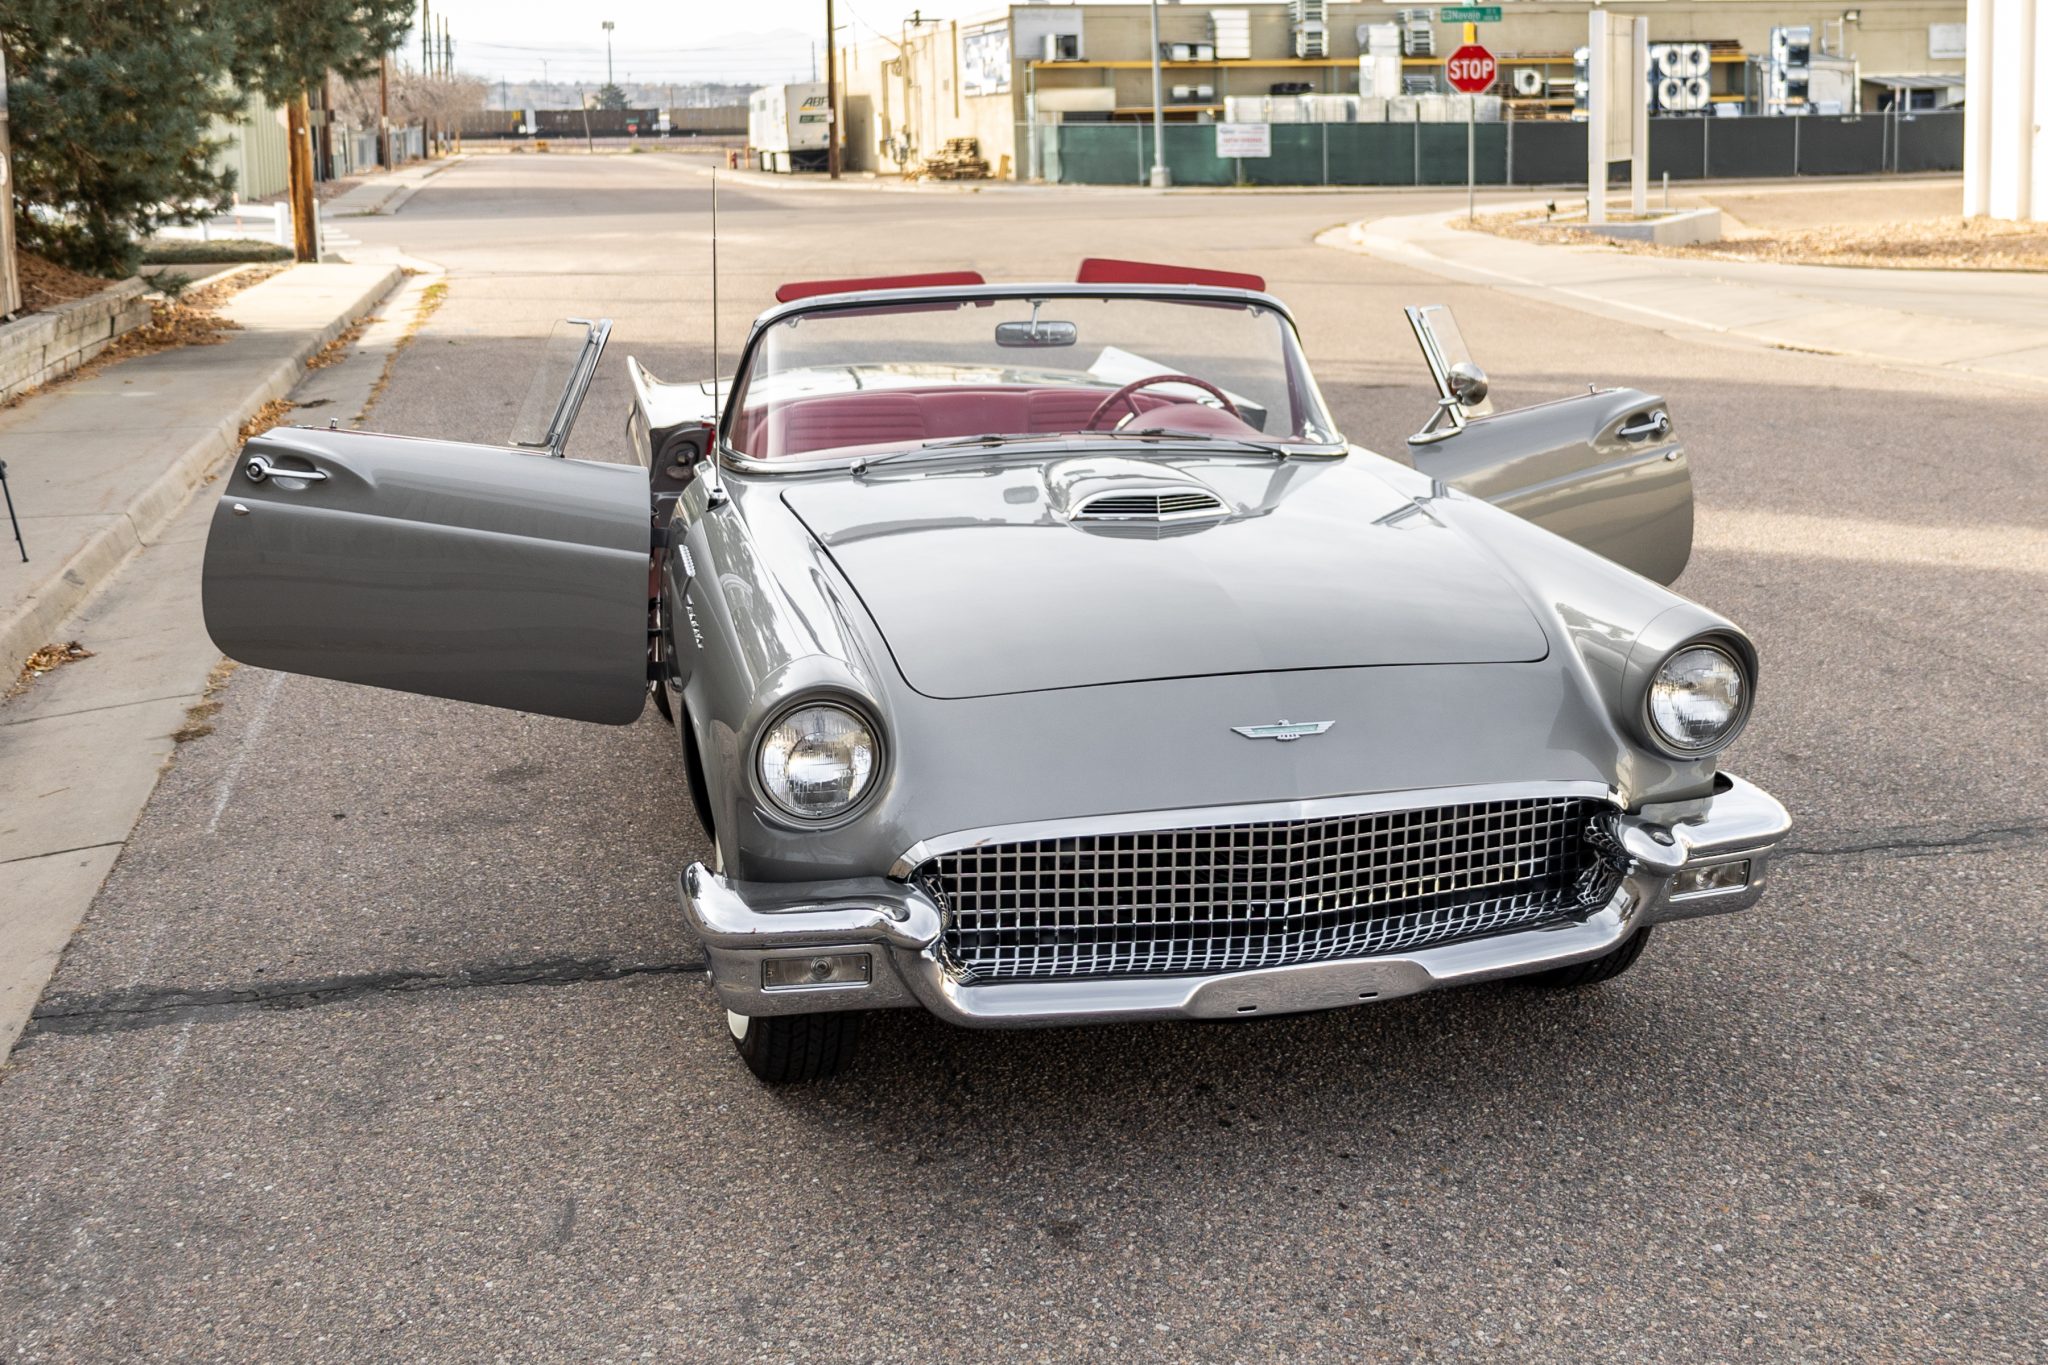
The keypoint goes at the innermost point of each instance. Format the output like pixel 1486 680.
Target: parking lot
pixel 385 1039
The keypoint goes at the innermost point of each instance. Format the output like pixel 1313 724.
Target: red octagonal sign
pixel 1471 69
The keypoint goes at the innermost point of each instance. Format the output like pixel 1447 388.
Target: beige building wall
pixel 905 96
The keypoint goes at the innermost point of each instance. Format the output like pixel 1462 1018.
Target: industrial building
pixel 1015 77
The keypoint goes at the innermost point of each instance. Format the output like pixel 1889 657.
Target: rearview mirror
pixel 1036 333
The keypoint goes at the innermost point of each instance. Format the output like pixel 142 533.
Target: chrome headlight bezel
pixel 773 805
pixel 1647 717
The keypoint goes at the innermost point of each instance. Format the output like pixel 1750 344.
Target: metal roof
pixel 1939 80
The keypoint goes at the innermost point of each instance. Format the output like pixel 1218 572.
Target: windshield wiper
pixel 952 443
pixel 1234 442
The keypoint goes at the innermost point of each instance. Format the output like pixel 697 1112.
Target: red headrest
pixel 1098 270
pixel 804 289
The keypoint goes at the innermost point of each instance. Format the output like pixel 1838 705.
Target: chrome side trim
pixel 1137 822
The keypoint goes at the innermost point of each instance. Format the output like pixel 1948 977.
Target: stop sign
pixel 1471 69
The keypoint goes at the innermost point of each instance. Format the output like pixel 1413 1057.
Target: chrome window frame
pixel 1295 363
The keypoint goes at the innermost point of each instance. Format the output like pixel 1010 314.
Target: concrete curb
pixel 156 501
pixel 1774 314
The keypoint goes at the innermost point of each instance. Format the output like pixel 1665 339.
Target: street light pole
pixel 1160 179
pixel 831 96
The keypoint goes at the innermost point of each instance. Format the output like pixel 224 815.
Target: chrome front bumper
pixel 1676 853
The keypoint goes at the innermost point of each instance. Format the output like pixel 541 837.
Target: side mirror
pixel 1467 383
pixel 1460 384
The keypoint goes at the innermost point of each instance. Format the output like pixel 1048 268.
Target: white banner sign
pixel 1244 139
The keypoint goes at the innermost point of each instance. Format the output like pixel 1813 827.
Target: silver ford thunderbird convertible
pixel 1043 654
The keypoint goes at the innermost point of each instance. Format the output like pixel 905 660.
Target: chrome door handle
pixel 1657 423
pixel 260 468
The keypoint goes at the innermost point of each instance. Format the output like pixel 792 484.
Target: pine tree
pixel 112 103
pixel 110 108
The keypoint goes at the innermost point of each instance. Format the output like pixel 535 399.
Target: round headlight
pixel 1698 698
pixel 818 761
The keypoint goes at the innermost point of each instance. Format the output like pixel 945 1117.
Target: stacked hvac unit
pixel 1379 60
pixel 1791 63
pixel 1311 21
pixel 1679 81
pixel 1232 30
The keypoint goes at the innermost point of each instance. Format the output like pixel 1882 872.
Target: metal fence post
pixel 1326 153
pixel 1795 144
pixel 1706 142
pixel 1508 175
pixel 1417 126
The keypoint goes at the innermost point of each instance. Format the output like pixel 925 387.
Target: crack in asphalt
pixel 139 1007
pixel 1897 840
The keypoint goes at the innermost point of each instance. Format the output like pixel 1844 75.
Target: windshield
pixel 881 378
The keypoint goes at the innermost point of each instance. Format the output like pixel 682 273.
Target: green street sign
pixel 1469 14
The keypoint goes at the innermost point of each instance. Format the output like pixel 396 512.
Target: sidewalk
pixel 1973 321
pixel 98 465
pixel 103 470
pixel 386 193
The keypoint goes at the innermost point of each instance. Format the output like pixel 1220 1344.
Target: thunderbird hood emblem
pixel 1284 730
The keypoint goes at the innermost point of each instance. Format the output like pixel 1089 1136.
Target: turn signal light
pixel 1705 881
pixel 821 969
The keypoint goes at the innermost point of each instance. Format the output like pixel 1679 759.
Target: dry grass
pixel 264 418
pixel 431 299
pixel 1930 244
pixel 199 716
pixel 48 659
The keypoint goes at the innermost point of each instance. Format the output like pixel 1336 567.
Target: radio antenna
pixel 714 491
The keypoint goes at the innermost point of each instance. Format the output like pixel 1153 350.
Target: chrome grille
pixel 1223 898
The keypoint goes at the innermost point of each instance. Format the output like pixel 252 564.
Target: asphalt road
pixel 384 1040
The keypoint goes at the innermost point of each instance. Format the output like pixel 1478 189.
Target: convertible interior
pixel 907 416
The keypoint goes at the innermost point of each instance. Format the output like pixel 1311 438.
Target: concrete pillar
pixel 2005 153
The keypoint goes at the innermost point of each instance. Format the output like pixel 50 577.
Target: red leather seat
pixel 856 419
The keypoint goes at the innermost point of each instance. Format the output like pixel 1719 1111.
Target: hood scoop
pixel 1115 490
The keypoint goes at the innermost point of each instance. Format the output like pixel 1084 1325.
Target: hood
pixel 983 580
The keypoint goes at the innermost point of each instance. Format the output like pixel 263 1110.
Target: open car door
pixel 1603 469
pixel 474 572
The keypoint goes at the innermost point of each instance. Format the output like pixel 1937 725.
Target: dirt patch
pixel 45 284
pixel 199 716
pixel 1949 243
pixel 48 659
pixel 431 299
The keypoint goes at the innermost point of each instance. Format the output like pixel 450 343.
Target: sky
pixel 673 41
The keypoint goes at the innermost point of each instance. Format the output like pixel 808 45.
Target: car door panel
pixel 452 570
pixel 1603 469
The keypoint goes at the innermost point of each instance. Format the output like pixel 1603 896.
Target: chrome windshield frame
pixel 737 461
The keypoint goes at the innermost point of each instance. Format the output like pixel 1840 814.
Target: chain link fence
pixel 1505 153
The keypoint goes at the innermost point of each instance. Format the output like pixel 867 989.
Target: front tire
pixel 1596 970
pixel 784 1049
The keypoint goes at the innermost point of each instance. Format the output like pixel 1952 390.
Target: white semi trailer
pixel 789 127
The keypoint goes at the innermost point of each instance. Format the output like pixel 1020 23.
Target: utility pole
pixel 305 226
pixel 1160 179
pixel 608 26
pixel 384 110
pixel 426 37
pixel 831 95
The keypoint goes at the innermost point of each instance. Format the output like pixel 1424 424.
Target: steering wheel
pixel 1123 395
